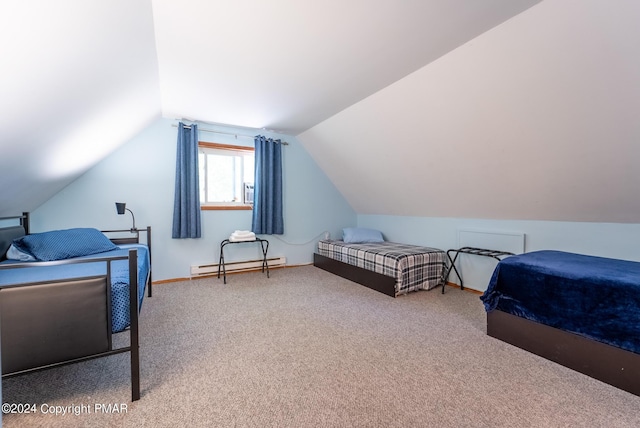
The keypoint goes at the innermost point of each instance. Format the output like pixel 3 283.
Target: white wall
pixel 142 174
pixel 612 240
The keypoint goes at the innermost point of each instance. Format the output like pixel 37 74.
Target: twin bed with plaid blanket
pixel 413 267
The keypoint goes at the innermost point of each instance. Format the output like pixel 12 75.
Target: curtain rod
pixel 236 135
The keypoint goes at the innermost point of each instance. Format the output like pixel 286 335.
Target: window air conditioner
pixel 247 194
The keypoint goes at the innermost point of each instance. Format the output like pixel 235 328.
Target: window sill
pixel 226 207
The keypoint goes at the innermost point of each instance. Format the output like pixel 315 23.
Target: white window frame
pixel 226 149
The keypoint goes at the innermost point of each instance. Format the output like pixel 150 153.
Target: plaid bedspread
pixel 414 267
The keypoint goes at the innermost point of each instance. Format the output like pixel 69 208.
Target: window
pixel 226 176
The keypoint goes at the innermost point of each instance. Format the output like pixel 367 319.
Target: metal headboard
pixel 24 220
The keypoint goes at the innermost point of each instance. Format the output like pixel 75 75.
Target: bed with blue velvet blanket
pixel 39 271
pixel 595 297
pixel 577 310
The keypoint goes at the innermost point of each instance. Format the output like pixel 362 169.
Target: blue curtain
pixel 267 196
pixel 186 206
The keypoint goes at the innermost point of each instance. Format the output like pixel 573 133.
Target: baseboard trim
pixel 215 275
pixel 470 290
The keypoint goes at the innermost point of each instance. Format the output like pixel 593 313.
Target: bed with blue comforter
pixel 63 294
pixel 567 299
pixel 40 271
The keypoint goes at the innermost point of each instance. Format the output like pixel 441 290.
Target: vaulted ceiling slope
pixel 536 119
pixel 287 65
pixel 79 78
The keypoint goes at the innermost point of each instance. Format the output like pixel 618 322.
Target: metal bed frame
pixel 84 353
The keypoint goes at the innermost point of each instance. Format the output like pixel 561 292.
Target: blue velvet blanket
pixel 595 297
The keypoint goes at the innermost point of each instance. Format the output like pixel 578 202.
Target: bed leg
pixel 134 337
pixel 149 246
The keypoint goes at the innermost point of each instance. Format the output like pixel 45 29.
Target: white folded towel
pixel 242 235
pixel 234 239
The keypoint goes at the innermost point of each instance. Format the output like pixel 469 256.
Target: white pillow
pixel 14 254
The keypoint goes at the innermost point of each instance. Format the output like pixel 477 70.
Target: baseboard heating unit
pixel 233 267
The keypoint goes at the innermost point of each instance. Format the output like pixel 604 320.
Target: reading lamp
pixel 121 207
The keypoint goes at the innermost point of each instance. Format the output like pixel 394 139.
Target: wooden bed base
pixel 598 360
pixel 375 281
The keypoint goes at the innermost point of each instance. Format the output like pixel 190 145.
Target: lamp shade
pixel 121 207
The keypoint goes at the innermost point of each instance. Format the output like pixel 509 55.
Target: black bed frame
pixel 609 364
pixel 101 346
pixel 375 281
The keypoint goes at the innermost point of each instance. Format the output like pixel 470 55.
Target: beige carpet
pixel 308 349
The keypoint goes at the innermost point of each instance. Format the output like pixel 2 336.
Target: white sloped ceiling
pixel 287 65
pixel 80 78
pixel 535 119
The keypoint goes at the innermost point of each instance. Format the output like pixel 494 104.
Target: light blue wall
pixel 615 240
pixel 142 174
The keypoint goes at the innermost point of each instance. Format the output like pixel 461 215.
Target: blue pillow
pixel 359 235
pixel 64 244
